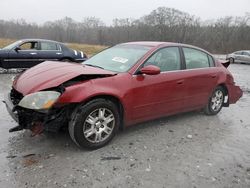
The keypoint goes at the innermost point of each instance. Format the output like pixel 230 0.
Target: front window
pixel 238 53
pixel 29 46
pixel 119 58
pixel 167 59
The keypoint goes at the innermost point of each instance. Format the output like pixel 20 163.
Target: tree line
pixel 223 35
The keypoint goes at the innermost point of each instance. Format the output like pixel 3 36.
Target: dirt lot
pixel 187 150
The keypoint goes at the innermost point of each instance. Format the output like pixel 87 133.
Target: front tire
pixel 215 101
pixel 94 124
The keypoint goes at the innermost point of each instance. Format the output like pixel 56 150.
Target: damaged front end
pixel 40 111
pixel 37 120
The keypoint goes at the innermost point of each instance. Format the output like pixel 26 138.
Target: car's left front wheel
pixel 94 124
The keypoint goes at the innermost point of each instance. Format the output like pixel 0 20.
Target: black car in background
pixel 27 53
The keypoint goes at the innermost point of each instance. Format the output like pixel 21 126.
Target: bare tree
pixel 163 24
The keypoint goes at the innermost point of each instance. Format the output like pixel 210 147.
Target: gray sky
pixel 48 10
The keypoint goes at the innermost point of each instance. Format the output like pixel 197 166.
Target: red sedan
pixel 121 86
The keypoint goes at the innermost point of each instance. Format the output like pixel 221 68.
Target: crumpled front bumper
pixel 51 120
pixel 10 107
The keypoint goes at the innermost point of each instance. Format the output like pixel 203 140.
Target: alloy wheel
pixel 217 100
pixel 98 125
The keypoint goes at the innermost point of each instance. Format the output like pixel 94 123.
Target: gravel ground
pixel 186 150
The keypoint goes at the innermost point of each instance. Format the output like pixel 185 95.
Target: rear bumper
pixel 235 93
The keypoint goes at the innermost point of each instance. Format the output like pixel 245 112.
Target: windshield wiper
pixel 94 66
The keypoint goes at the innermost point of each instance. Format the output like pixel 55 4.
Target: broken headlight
pixel 39 100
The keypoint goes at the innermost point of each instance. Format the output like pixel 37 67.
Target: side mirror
pixel 17 49
pixel 150 70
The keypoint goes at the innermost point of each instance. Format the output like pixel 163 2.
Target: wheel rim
pixel 98 125
pixel 217 100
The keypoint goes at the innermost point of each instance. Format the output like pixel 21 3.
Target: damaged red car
pixel 120 86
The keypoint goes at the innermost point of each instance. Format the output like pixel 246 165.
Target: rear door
pixel 201 77
pixel 239 56
pixel 49 51
pixel 246 57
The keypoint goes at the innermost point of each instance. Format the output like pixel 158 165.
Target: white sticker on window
pixel 120 59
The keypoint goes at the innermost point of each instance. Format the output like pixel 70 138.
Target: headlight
pixel 39 100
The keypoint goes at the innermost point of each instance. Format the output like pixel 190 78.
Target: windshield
pixel 9 47
pixel 119 58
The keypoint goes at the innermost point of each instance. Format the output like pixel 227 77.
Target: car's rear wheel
pixel 231 60
pixel 94 124
pixel 215 101
pixel 66 60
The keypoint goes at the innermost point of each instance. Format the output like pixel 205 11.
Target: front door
pixel 158 95
pixel 23 56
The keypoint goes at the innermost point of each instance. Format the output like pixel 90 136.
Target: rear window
pixel 48 46
pixel 195 58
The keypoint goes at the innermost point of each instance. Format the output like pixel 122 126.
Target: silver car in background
pixel 242 56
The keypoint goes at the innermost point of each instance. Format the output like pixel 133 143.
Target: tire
pixel 215 101
pixel 231 60
pixel 94 124
pixel 66 60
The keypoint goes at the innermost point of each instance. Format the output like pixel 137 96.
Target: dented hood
pixel 51 74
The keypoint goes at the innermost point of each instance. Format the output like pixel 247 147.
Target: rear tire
pixel 231 60
pixel 215 101
pixel 66 60
pixel 94 124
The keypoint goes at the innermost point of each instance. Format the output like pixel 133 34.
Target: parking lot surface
pixel 186 150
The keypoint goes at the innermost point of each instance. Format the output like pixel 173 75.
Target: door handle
pixel 213 76
pixel 58 53
pixel 180 81
pixel 33 53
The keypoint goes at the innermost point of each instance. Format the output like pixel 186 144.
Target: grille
pixel 15 96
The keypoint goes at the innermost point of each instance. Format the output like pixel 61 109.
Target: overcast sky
pixel 48 10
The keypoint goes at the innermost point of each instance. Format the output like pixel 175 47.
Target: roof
pixel 162 44
pixel 46 40
pixel 146 43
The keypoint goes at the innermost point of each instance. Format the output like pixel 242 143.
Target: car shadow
pixel 24 143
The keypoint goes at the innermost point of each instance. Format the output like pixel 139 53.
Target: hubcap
pixel 98 125
pixel 217 100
